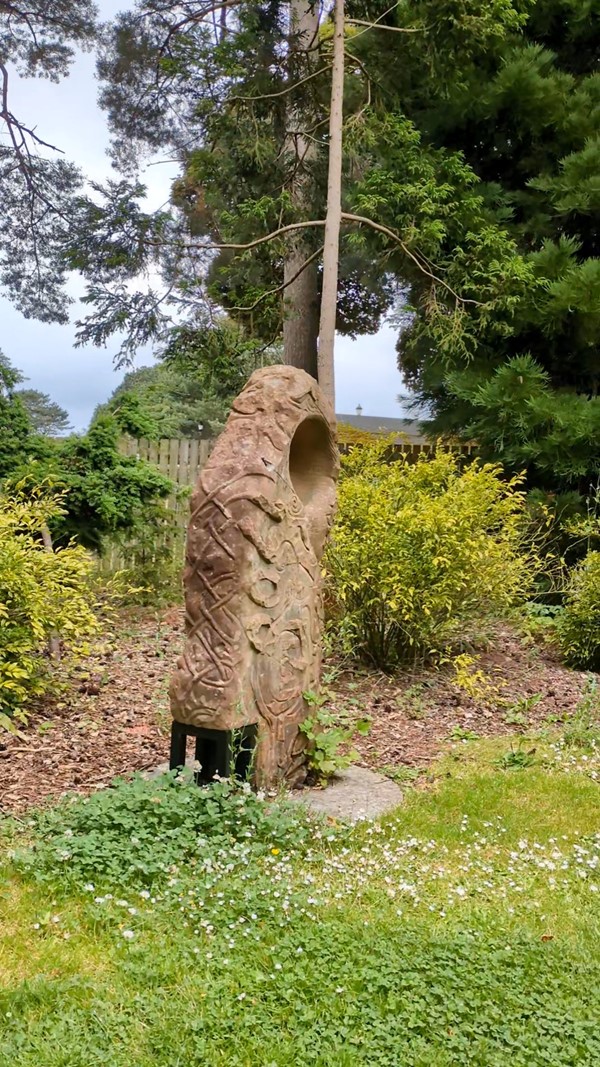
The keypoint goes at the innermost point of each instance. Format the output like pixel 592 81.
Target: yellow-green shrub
pixel 579 624
pixel 42 593
pixel 421 550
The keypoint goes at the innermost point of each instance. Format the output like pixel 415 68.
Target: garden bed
pixel 114 718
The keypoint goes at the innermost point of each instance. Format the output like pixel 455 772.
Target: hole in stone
pixel 311 461
pixel 312 471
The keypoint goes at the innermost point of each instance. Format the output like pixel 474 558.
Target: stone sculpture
pixel 260 514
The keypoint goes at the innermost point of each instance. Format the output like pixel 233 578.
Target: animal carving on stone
pixel 260 514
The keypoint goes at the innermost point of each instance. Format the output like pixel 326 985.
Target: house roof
pixel 377 424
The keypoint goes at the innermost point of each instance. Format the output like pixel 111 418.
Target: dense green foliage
pixel 518 415
pixel 103 492
pixel 579 623
pixel 190 391
pixel 526 118
pixel 42 594
pixel 15 426
pixel 462 930
pixel 136 831
pixel 420 551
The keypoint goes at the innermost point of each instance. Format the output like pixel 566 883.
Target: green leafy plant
pixel 517 714
pixel 420 551
pixel 579 624
pixel 329 735
pixel 43 594
pixel 516 759
pixel 515 718
pixel 459 733
pixel 539 620
pixel 136 830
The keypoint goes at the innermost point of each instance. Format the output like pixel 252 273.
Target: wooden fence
pixel 182 459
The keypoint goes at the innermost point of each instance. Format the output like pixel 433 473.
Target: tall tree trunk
pixel 301 322
pixel 333 218
pixel 301 295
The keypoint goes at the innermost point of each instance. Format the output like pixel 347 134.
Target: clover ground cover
pixel 464 929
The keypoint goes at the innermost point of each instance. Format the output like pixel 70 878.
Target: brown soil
pixel 114 717
pixel 413 715
pixel 112 720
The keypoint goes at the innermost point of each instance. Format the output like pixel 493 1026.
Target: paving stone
pixel 356 793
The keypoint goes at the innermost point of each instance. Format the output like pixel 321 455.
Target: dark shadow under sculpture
pixel 260 515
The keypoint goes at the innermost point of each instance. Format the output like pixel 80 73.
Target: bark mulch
pixel 114 718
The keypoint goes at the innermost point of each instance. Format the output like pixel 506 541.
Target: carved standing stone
pixel 260 514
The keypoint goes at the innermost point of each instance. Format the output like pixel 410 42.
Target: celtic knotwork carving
pixel 260 514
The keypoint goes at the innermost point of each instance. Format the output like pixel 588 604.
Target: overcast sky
pixel 67 115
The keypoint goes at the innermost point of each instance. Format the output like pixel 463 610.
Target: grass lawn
pixel 157 925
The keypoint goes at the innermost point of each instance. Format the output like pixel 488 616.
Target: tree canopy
pixel 45 415
pixel 37 40
pixel 189 392
pixel 242 102
pixel 526 120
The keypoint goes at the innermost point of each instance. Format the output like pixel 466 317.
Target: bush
pixel 42 593
pixel 579 624
pixel 420 550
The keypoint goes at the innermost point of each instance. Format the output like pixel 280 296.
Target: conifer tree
pixel 527 120
pixel 240 93
pixel 37 39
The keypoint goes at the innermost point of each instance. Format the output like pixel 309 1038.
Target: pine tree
pixel 243 101
pixel 45 415
pixel 527 121
pixel 37 39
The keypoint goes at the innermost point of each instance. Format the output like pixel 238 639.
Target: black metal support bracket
pixel 227 753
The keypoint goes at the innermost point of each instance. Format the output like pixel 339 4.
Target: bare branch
pixel 363 220
pixel 280 288
pixel 269 236
pixel 377 26
pixel 348 217
pixel 282 92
